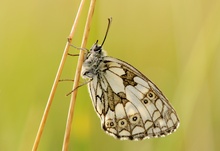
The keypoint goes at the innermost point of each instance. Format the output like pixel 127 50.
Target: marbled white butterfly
pixel 128 104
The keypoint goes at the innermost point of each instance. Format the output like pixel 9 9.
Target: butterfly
pixel 129 105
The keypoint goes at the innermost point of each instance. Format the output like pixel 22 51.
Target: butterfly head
pixel 92 61
pixel 96 47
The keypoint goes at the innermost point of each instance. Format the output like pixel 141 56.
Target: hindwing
pixel 129 105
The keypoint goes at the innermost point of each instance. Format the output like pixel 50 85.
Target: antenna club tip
pixel 110 19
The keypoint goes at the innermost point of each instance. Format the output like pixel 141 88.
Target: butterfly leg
pixel 63 80
pixel 78 48
pixel 73 54
pixel 79 86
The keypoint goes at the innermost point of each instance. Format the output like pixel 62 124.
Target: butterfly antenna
pixel 109 23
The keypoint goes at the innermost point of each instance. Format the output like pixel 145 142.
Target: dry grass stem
pixel 77 77
pixel 53 90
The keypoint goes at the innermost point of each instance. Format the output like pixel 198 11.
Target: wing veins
pixel 123 107
pixel 139 111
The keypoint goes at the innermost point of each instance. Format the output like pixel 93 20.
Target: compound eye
pixel 98 49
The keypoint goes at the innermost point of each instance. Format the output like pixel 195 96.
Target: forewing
pixel 129 105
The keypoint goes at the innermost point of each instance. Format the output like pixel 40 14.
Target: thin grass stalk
pixel 77 77
pixel 56 80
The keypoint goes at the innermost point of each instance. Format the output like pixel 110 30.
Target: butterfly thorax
pixel 93 62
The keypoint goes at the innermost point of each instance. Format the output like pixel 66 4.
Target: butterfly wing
pixel 129 105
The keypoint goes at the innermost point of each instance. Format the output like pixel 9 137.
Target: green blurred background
pixel 174 43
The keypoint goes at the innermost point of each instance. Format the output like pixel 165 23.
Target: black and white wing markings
pixel 129 105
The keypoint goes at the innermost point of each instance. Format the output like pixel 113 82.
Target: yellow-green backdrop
pixel 174 43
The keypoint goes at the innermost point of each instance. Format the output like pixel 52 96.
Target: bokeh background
pixel 174 43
